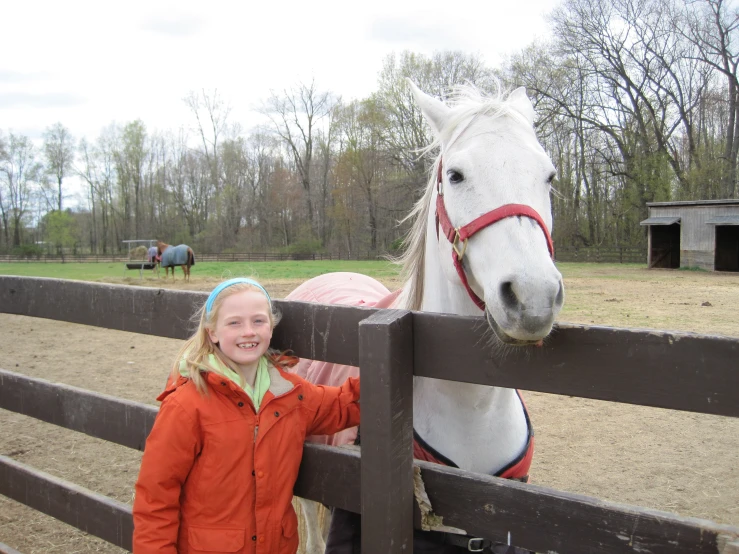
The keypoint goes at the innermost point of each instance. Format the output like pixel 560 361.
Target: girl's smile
pixel 243 329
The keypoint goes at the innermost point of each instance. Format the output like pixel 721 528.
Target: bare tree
pixel 363 160
pixel 130 160
pixel 632 87
pixel 189 181
pixel 326 139
pixel 211 114
pixel 88 171
pixel 263 150
pixel 20 171
pixel 574 136
pixel 4 205
pixel 631 73
pixel 713 26
pixel 406 133
pixel 234 199
pixel 107 147
pixel 296 115
pixel 59 154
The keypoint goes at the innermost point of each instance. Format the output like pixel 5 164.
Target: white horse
pixel 479 245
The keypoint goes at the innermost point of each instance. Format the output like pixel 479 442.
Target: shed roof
pixel 662 220
pixel 724 202
pixel 724 220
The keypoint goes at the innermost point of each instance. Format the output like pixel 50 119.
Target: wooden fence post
pixel 386 364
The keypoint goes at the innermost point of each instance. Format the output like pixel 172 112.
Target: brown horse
pixel 171 256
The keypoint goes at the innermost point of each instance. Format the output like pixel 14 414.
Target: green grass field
pixel 279 270
pixel 217 270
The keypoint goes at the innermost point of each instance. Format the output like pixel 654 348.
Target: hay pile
pixel 139 254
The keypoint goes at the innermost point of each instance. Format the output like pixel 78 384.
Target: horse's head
pixel 492 172
pixel 161 246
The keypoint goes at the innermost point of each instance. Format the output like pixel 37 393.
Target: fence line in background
pixel 563 254
pixel 222 257
pixel 618 255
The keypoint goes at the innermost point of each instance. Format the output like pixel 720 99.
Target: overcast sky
pixel 87 64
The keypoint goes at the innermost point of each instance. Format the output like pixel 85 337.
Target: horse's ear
pixel 435 111
pixel 521 103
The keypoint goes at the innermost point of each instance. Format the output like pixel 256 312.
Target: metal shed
pixel 702 233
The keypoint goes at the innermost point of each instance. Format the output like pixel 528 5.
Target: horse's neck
pixel 479 428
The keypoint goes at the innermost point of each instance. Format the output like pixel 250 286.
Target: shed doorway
pixel 727 248
pixel 665 246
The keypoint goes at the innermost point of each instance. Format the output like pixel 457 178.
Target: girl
pixel 220 463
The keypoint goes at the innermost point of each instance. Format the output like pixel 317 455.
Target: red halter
pixel 460 235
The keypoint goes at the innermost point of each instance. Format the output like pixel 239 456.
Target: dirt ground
pixel 679 462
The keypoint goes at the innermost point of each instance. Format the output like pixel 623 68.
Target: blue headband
pixel 216 291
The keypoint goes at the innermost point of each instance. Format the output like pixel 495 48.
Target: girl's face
pixel 243 329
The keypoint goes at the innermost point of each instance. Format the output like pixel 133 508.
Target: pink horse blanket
pixel 349 289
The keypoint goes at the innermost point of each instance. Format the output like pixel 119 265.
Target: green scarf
pixel 261 382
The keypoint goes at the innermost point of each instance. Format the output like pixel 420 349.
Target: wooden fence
pixel 679 371
pixel 614 255
pixel 218 257
pixel 563 254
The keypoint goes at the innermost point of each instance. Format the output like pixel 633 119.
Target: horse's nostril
pixel 508 296
pixel 560 295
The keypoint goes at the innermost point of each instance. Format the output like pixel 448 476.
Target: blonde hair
pixel 197 349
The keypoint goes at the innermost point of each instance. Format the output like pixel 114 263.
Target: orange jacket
pixel 218 477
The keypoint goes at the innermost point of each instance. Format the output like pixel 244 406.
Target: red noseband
pixel 458 236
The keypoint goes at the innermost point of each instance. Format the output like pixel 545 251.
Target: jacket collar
pixel 278 385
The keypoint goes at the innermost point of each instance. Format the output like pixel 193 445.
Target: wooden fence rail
pixel 683 371
pixel 597 254
pixel 486 506
pixel 656 368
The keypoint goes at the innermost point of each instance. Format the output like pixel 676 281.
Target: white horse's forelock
pixel 467 103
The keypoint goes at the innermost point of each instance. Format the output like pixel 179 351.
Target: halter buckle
pixel 460 253
pixel 476 545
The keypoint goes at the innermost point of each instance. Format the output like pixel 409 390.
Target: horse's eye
pixel 552 177
pixel 454 176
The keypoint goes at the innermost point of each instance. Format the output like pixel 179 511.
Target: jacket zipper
pixel 256 430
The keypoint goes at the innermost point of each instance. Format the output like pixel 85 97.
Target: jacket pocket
pixel 289 524
pixel 289 541
pixel 213 539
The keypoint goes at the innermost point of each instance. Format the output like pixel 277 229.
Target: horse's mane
pixel 467 103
